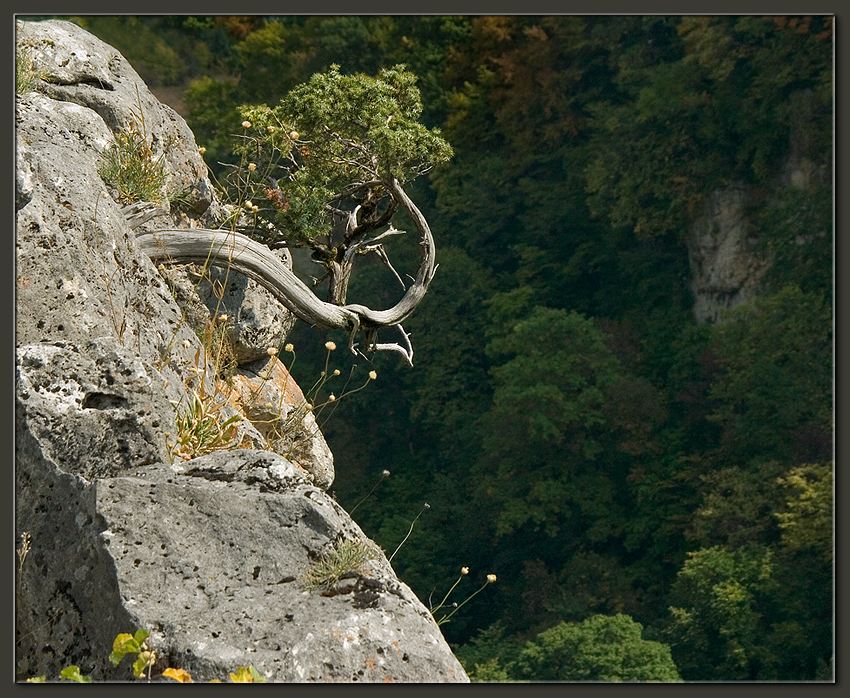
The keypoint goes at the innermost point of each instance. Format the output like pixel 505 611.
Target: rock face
pixel 727 263
pixel 725 267
pixel 212 558
pixel 211 552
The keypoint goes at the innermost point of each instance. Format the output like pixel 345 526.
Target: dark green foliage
pixel 547 423
pixel 338 139
pixel 709 108
pixel 774 382
pixel 601 648
pixel 716 619
pixel 795 228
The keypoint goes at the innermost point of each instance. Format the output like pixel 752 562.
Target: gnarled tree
pixel 325 169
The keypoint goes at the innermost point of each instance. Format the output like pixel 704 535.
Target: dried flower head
pixel 288 347
pixel 331 398
pixel 464 571
pixel 252 167
pixel 336 371
pixel 294 135
pixel 271 351
pixel 373 375
pixel 330 346
pixel 246 124
pixel 491 578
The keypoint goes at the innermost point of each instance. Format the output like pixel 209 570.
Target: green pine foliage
pixel 336 138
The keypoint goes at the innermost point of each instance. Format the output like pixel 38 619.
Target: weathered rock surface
pixel 210 553
pixel 91 407
pixel 211 557
pixel 272 400
pixel 256 320
pixel 726 267
pixel 726 260
pixel 81 69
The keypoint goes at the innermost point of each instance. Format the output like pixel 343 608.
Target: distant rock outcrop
pixel 210 554
pixel 727 262
pixel 726 266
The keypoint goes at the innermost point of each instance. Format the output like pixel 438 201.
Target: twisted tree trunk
pixel 228 249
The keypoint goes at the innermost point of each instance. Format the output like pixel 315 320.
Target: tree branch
pixel 232 250
pixel 413 296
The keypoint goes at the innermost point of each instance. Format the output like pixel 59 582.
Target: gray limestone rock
pixel 209 554
pixel 212 558
pixel 726 267
pixel 78 273
pixel 80 68
pixel 94 408
pixel 256 320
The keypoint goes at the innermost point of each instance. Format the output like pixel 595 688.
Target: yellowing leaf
pixel 247 674
pixel 122 642
pixel 242 675
pixel 72 673
pixel 143 661
pixel 123 645
pixel 179 675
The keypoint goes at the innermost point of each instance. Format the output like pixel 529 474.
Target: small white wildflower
pixel 491 578
pixel 464 571
pixel 270 129
pixel 373 375
pixel 385 473
pixel 249 204
pixel 246 124
pixel 308 407
pixel 336 371
pixel 271 351
pixel 294 135
pixel 330 346
pixel 255 209
pixel 252 167
pixel 223 317
pixel 202 150
pixel 331 398
pixel 288 347
pixel 187 343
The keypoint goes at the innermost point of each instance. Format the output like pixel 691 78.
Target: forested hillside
pixel 651 484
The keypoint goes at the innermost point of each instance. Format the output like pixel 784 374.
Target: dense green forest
pixel 654 493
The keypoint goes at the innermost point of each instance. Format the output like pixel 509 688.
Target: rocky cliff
pixel 727 261
pixel 132 524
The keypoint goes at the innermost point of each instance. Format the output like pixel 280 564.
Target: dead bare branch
pixel 232 250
